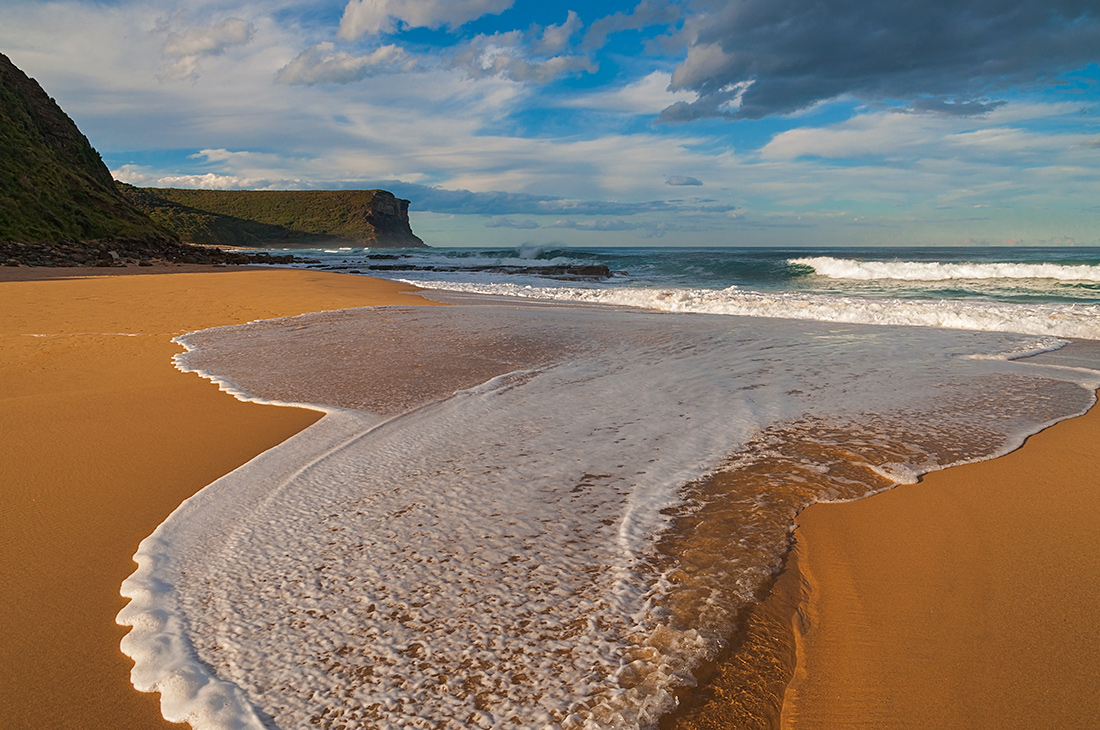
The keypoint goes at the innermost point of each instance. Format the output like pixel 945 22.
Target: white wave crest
pixel 850 269
pixel 1080 321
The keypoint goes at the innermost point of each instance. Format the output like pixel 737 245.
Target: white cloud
pixel 136 175
pixel 382 16
pixel 209 39
pixel 882 133
pixel 555 38
pixel 601 224
pixel 704 61
pixel 645 14
pixel 648 95
pixel 185 50
pixel 523 225
pixel 995 138
pixel 508 56
pixel 323 64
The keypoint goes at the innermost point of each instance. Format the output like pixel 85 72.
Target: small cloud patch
pixel 682 180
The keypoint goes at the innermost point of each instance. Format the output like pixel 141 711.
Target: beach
pixel 965 601
pixel 103 438
pixel 960 601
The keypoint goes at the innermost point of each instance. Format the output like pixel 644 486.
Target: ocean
pixel 550 504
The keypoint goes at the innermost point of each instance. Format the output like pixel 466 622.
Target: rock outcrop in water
pixel 266 218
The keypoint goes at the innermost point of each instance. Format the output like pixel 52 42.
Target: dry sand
pixel 970 600
pixel 102 438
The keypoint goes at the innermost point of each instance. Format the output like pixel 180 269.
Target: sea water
pixel 522 514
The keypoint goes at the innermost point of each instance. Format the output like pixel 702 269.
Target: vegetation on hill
pixel 53 184
pixel 268 218
pixel 59 205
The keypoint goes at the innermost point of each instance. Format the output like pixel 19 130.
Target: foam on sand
pixel 492 557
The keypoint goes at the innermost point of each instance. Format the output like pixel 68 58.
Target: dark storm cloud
pixel 755 58
pixel 940 105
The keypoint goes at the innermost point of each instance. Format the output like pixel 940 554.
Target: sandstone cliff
pixel 58 203
pixel 265 218
pixel 60 206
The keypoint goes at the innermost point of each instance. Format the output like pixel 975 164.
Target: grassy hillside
pixel 53 184
pixel 279 217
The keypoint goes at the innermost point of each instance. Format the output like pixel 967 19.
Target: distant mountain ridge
pixel 270 218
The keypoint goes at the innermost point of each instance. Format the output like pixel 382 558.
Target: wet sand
pixel 102 439
pixel 966 601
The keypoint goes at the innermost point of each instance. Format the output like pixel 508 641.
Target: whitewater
pixel 508 516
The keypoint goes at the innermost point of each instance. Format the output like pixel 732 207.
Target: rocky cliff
pixel 58 203
pixel 60 206
pixel 266 218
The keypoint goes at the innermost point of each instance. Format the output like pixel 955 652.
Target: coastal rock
pixel 578 272
pixel 270 218
pixel 129 253
pixel 59 205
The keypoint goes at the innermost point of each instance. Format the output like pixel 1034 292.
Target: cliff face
pixel 264 218
pixel 53 184
pixel 60 206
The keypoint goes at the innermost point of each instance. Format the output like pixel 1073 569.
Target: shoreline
pixel 105 438
pixel 820 647
pixel 810 644
pixel 962 601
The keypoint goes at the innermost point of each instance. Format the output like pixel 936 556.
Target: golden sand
pixel 102 438
pixel 969 600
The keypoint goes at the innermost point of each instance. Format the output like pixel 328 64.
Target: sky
pixel 696 123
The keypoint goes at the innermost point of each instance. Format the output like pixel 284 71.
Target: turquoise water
pixel 995 273
pixel 1052 291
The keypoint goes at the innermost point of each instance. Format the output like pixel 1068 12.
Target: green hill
pixel 60 206
pixel 266 218
pixel 53 185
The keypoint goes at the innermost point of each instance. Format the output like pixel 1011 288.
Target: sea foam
pixel 853 269
pixel 491 558
pixel 1055 319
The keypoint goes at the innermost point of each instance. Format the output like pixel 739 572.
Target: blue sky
pixel 700 122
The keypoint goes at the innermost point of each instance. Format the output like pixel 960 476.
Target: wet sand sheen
pixel 711 575
pixel 965 601
pixel 63 389
pixel 102 439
